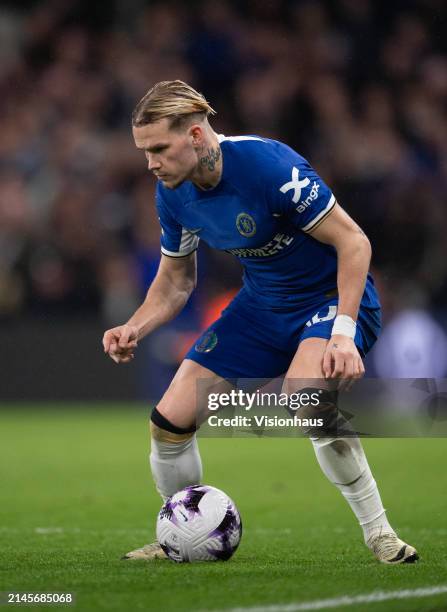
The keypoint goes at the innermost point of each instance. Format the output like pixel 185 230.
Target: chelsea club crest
pixel 246 225
pixel 206 342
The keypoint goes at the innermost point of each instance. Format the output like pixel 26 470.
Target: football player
pixel 307 309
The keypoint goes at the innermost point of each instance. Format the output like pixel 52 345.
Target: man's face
pixel 170 154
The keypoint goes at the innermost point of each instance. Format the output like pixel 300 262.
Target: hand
pixel 341 359
pixel 120 343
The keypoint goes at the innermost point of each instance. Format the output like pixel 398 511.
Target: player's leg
pixel 237 346
pixel 343 460
pixel 175 459
pixel 233 347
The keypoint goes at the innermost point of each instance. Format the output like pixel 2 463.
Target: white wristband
pixel 344 326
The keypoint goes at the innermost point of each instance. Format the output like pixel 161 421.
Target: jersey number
pixel 317 319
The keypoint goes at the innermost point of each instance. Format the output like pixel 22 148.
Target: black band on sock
pixel 160 421
pixel 326 409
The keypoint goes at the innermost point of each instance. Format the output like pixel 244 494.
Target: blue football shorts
pixel 249 342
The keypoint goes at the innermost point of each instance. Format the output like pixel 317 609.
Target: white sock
pixel 175 465
pixel 344 462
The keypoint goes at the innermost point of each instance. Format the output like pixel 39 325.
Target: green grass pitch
pixel 76 494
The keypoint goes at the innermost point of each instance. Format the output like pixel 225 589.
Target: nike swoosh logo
pixel 194 231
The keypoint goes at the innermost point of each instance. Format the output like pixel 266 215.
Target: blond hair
pixel 174 100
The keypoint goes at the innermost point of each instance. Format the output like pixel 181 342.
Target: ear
pixel 196 133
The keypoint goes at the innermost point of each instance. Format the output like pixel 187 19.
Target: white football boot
pixel 149 552
pixel 388 548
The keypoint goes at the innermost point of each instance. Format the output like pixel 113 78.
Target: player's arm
pixel 342 358
pixel 170 290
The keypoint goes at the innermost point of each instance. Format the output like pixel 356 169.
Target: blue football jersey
pixel 262 211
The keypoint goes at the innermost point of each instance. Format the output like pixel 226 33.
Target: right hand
pixel 120 343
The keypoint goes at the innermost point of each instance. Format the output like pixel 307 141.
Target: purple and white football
pixel 199 523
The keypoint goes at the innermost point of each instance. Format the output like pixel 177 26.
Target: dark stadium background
pixel 359 87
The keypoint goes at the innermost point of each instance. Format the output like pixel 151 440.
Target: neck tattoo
pixel 211 158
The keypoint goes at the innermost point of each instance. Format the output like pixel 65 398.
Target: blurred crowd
pixel 359 87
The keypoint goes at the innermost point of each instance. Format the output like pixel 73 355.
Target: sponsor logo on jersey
pixel 277 244
pixel 246 225
pixel 313 195
pixel 295 184
pixel 207 342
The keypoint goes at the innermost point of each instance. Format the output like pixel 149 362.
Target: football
pixel 199 523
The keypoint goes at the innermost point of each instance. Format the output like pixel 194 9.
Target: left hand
pixel 341 359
